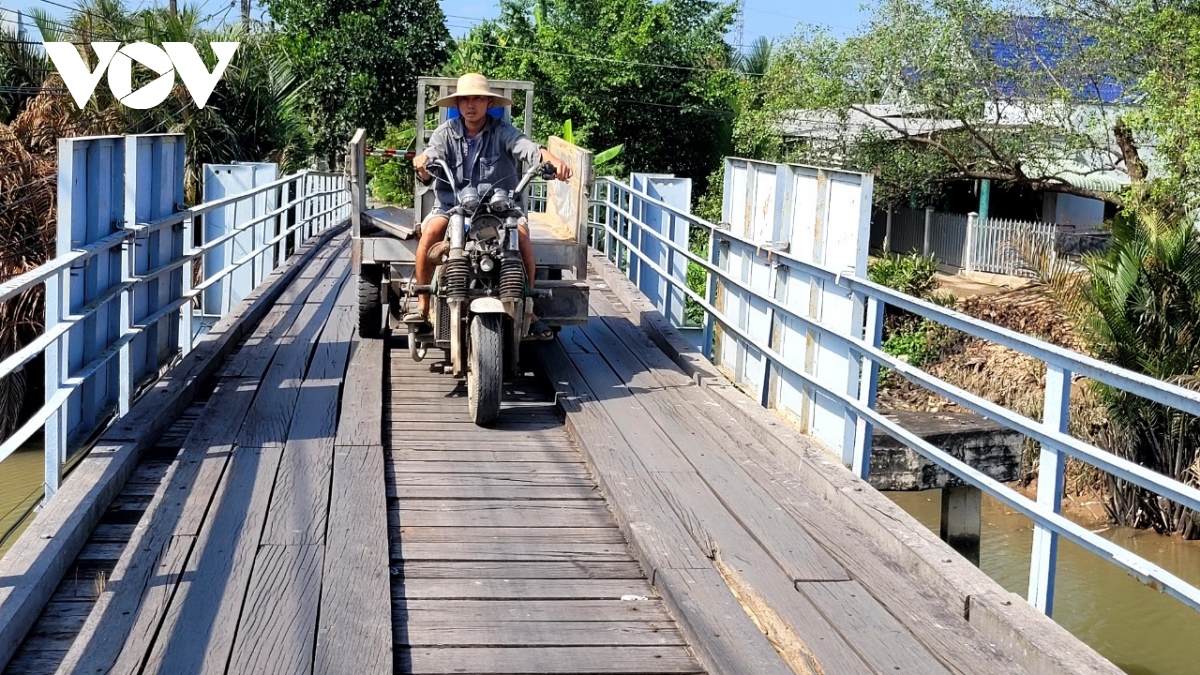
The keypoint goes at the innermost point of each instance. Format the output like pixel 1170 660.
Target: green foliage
pixel 601 158
pixel 671 119
pixel 392 179
pixel 361 61
pixel 913 274
pixel 1143 313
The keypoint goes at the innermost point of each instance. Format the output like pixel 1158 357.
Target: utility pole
pixel 173 8
pixel 739 25
pixel 246 15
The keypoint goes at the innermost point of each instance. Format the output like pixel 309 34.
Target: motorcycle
pixel 481 304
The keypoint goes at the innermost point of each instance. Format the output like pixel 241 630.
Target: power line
pixel 586 57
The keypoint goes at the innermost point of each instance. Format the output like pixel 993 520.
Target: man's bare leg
pixel 433 231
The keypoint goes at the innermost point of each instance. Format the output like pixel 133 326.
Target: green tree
pixel 651 76
pixel 941 90
pixel 360 61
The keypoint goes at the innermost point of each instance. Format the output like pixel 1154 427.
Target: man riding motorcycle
pixel 480 149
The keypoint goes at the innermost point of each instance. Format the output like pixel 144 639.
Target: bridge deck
pixel 328 508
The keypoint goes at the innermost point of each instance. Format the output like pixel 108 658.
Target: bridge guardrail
pixel 120 292
pixel 622 236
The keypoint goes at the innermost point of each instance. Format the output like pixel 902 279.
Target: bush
pixel 913 274
pixel 392 179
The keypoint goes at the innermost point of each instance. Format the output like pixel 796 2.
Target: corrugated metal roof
pixel 1078 174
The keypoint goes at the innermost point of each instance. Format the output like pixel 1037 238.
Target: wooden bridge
pixel 292 499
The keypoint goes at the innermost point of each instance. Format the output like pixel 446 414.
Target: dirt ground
pixel 962 286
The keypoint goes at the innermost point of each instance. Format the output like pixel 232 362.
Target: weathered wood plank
pixel 704 445
pixel 475 468
pixel 488 660
pixel 502 513
pixel 499 454
pixel 575 569
pixel 486 480
pixel 725 639
pixel 505 551
pixel 592 611
pixel 355 621
pixel 278 624
pixel 428 630
pixel 518 492
pixel 361 421
pixel 881 640
pixel 198 630
pixel 523 589
pixel 301 496
pixel 935 624
pixel 128 614
pixel 514 535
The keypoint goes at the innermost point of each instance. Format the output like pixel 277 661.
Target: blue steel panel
pixel 222 180
pixel 263 203
pixel 154 165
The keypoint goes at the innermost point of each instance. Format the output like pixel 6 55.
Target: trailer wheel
pixel 370 302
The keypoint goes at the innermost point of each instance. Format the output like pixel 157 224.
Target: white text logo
pixel 166 60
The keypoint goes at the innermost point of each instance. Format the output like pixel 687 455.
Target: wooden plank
pixel 500 454
pixel 591 611
pixel 575 569
pixel 475 468
pixel 486 481
pixel 705 445
pixel 361 421
pixel 502 513
pixel 128 614
pixel 726 641
pixel 426 630
pixel 278 624
pixel 301 496
pixel 456 415
pixel 878 637
pixel 209 598
pixel 503 425
pixel 488 660
pixel 518 492
pixel 504 551
pixel 270 416
pixel 355 621
pixel 514 535
pixel 523 589
pixel 941 627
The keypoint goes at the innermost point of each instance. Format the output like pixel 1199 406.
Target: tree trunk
pixel 246 15
pixel 1129 151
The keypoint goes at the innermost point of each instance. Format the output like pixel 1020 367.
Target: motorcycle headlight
pixel 486 263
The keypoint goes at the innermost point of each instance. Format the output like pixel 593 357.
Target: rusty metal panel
pixel 817 215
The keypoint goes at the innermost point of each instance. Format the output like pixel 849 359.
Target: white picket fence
pixel 995 245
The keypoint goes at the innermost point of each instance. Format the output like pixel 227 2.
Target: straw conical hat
pixel 472 84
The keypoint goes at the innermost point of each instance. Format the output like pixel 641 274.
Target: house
pixel 1029 43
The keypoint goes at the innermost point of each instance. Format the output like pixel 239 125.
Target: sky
pixel 774 19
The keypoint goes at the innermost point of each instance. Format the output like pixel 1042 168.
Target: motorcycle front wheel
pixel 485 367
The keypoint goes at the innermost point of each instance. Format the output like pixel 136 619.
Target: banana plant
pixel 568 135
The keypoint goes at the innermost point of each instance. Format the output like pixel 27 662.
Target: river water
pixel 20 489
pixel 1139 629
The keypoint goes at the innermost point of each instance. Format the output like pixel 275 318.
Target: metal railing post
pixel 125 325
pixel 1052 462
pixel 969 253
pixel 860 461
pixel 928 227
pixel 185 310
pixel 887 232
pixel 58 290
pixel 710 294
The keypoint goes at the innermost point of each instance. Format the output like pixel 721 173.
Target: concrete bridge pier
pixel 984 444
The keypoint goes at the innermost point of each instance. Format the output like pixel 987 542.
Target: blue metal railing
pixel 618 232
pixel 128 296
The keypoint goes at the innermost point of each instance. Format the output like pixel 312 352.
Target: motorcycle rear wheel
pixel 485 368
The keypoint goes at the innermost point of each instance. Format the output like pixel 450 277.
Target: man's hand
pixel 419 163
pixel 562 170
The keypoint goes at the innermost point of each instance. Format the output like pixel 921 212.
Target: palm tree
pixel 757 58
